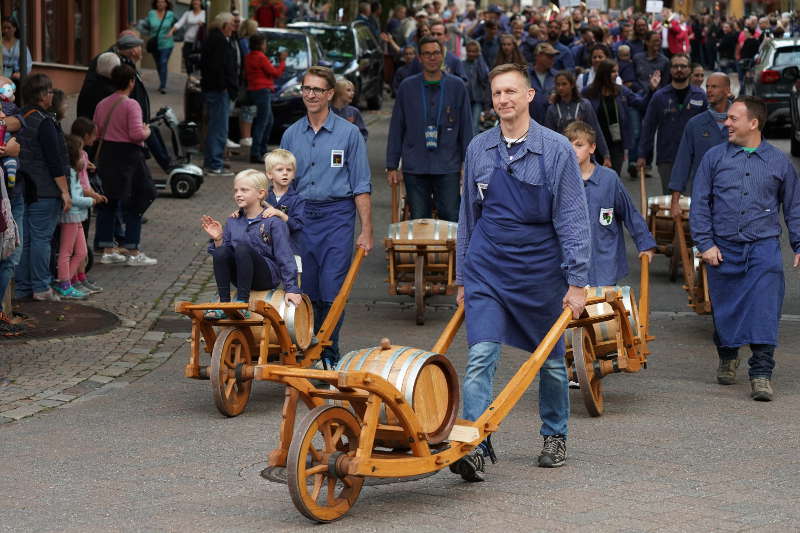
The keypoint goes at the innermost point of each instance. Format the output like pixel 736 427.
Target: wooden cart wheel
pixel 321 439
pixel 591 383
pixel 419 288
pixel 230 350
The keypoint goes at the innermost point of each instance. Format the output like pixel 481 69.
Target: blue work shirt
pixel 702 132
pixel 294 206
pixel 625 99
pixel 738 196
pixel 541 100
pixel 478 81
pixel 407 127
pixel 562 179
pixel 565 59
pixel 610 206
pixel 645 66
pixel 451 65
pixel 490 48
pixel 667 116
pixel 352 115
pixel 269 237
pixel 321 175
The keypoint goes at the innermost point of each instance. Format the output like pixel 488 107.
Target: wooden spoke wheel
pixel 318 488
pixel 230 350
pixel 591 383
pixel 419 288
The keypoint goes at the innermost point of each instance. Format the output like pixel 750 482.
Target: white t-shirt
pixel 192 23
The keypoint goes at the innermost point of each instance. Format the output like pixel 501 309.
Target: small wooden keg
pixel 299 319
pixel 423 229
pixel 427 381
pixel 607 331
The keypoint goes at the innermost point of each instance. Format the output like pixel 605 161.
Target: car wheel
pixel 794 143
pixel 183 186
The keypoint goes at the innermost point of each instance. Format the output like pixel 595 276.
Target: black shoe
pixel 554 453
pixel 470 467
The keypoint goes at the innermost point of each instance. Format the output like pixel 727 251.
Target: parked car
pixel 354 53
pixel 770 84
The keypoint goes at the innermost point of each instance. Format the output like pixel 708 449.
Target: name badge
pixel 431 137
pixel 337 158
pixel 698 103
pixel 606 215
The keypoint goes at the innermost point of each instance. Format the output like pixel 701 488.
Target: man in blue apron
pixel 739 190
pixel 523 253
pixel 333 177
pixel 702 132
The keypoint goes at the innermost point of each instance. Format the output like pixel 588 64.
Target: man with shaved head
pixel 702 132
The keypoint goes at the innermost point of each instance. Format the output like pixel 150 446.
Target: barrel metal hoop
pixel 436 230
pixel 384 415
pixel 364 357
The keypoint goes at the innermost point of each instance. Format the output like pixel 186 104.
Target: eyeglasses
pixel 316 91
pixel 437 53
pixel 679 66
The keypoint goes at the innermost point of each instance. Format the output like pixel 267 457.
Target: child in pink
pixel 72 248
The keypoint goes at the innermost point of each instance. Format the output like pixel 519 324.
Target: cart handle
pixel 514 389
pixel 335 312
pixel 642 191
pixel 644 299
pixel 449 333
pixel 395 203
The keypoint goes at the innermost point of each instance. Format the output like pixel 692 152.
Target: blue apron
pixel 513 280
pixel 746 292
pixel 327 242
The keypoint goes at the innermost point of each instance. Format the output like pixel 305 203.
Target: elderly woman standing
pixel 122 170
pixel 159 23
pixel 47 170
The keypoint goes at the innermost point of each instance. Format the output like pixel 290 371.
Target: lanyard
pixel 441 102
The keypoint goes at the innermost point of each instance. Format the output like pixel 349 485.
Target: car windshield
pixel 337 43
pixel 789 55
pixel 294 44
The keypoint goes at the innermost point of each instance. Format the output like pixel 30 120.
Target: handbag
pixel 152 42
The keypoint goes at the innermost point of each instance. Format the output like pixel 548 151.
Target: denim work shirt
pixel 269 237
pixel 610 206
pixel 737 196
pixel 541 100
pixel 332 163
pixel 563 181
pixel 701 134
pixel 666 116
pixel 407 127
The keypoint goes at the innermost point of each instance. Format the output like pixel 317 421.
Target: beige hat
pixel 545 48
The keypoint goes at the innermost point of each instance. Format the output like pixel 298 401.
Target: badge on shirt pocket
pixel 337 158
pixel 606 216
pixel 263 233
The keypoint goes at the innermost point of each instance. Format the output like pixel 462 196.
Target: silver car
pixel 769 82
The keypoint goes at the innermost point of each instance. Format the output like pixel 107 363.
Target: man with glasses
pixel 430 129
pixel 669 110
pixel 448 62
pixel 333 177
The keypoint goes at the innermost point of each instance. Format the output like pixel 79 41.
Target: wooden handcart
pixel 275 333
pixel 695 276
pixel 390 412
pixel 420 256
pixel 614 339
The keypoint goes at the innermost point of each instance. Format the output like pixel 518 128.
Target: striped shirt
pixel 563 180
pixel 737 196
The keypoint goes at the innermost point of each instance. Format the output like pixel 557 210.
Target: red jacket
pixel 677 38
pixel 269 15
pixel 260 72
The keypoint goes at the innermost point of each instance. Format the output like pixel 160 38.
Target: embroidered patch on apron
pixel 606 215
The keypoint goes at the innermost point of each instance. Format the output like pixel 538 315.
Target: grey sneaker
pixel 48 295
pixel 760 389
pixel 726 372
pixel 141 260
pixel 554 453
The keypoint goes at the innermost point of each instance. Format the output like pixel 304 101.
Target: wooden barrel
pixel 427 381
pixel 423 229
pixel 664 202
pixel 299 319
pixel 607 331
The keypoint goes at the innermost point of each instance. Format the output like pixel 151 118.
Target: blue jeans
pixel 8 264
pixel 635 120
pixel 262 125
pixel 446 193
pixel 155 143
pixel 217 113
pixel 107 222
pixel 162 60
pixel 553 387
pixel 40 221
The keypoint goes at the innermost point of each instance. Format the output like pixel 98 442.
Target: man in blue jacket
pixel 430 129
pixel 543 80
pixel 450 63
pixel 670 109
pixel 702 132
